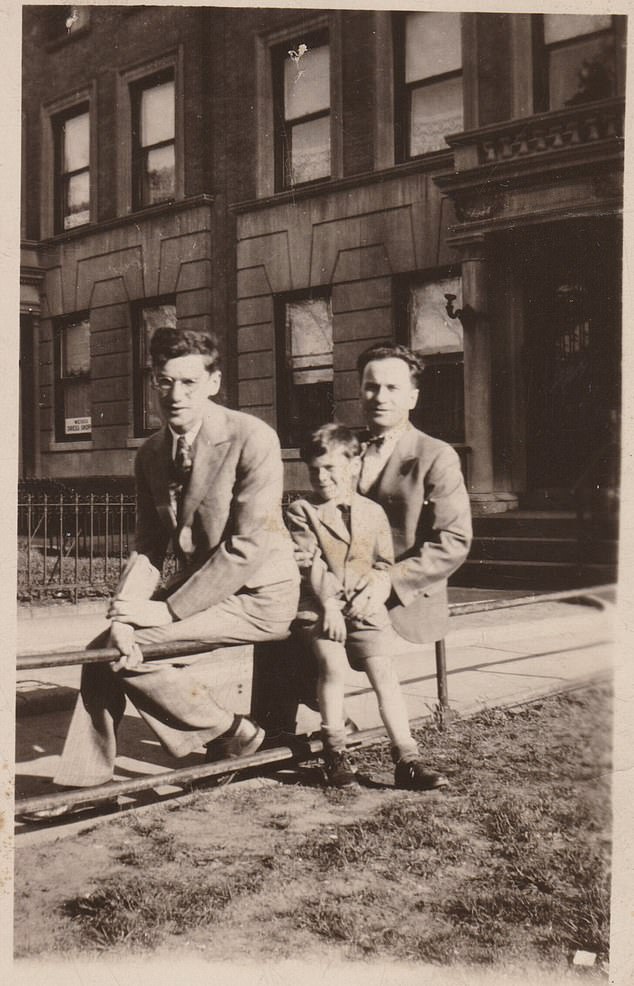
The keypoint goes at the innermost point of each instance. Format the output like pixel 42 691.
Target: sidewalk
pixel 498 658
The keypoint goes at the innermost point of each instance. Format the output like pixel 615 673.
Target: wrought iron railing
pixel 72 542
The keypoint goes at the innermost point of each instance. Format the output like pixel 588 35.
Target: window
pixel 72 169
pixel 149 317
pixel 73 401
pixel 153 141
pixel 305 371
pixel 428 64
pixel 438 339
pixel 575 59
pixel 302 108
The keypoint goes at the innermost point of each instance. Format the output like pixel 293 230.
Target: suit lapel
pixel 209 451
pixel 404 449
pixel 330 517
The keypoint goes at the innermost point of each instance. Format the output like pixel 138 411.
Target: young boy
pixel 349 539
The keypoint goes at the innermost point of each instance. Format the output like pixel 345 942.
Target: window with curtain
pixel 305 368
pixel 575 59
pixel 302 111
pixel 153 141
pixel 72 169
pixel 428 62
pixel 73 398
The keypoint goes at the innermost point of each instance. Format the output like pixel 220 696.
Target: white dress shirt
pixel 376 455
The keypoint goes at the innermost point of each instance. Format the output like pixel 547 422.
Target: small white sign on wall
pixel 77 426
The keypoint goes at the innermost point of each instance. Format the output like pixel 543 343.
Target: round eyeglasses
pixel 165 385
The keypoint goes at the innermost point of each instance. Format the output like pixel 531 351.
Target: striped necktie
pixel 183 460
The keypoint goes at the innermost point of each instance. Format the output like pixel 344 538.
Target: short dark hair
pixel 327 437
pixel 169 343
pixel 389 350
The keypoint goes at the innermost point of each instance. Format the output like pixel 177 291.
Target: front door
pixel 572 355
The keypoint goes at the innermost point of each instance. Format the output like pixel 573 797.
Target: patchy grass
pixel 508 867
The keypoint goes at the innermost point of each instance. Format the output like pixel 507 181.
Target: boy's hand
pixel 370 592
pixel 334 623
pixel 303 556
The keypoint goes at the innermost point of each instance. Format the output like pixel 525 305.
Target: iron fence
pixel 74 542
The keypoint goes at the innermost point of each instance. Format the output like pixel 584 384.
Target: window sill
pixel 70 446
pixel 130 218
pixel 290 455
pixel 426 162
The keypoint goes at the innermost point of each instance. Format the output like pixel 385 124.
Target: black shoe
pixel 242 739
pixel 338 769
pixel 411 775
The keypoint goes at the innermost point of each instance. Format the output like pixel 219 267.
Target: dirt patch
pixel 508 866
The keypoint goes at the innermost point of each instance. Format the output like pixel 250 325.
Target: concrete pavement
pixel 498 658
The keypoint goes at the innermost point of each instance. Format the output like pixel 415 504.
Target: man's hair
pixel 388 350
pixel 170 343
pixel 327 437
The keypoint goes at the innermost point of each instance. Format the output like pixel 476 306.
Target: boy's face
pixel 334 476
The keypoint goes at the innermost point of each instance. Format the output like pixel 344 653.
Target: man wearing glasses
pixel 209 482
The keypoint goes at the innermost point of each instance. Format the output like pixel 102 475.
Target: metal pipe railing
pixel 303 748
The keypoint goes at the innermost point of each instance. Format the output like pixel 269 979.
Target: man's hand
pixel 370 592
pixel 140 612
pixel 122 637
pixel 303 556
pixel 333 621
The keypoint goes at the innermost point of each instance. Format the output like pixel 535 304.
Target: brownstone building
pixel 307 183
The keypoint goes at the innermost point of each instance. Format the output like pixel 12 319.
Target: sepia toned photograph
pixel 319 486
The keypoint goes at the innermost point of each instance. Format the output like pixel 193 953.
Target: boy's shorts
pixel 374 638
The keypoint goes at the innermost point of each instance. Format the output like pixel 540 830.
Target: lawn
pixel 506 869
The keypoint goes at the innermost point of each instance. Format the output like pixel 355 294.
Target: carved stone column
pixel 478 382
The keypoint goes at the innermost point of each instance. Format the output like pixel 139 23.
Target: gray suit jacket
pixel 341 556
pixel 422 491
pixel 231 510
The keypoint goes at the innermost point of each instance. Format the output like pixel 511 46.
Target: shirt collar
pixel 190 436
pixel 391 436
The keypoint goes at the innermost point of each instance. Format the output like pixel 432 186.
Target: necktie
pixel 183 461
pixel 344 509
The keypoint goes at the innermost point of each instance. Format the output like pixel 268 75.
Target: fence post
pixel 61 539
pixel 76 547
pixel 106 533
pixel 441 674
pixel 29 525
pixel 120 533
pixel 91 548
pixel 45 569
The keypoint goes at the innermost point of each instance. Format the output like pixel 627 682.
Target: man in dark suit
pixel 418 481
pixel 210 482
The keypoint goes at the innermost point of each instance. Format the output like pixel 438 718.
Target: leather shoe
pixel 411 775
pixel 242 739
